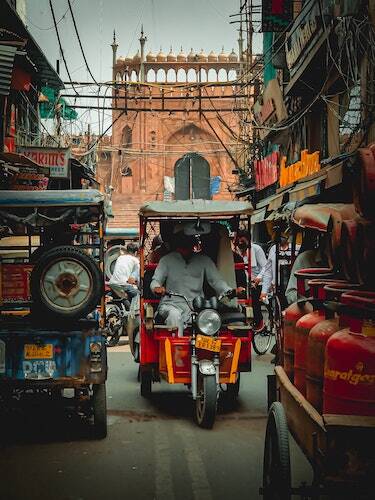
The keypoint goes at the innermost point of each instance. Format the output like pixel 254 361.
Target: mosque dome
pixel 181 57
pixel 233 56
pixel 171 57
pixel 191 56
pixel 161 57
pixel 137 57
pixel 223 56
pixel 212 57
pixel 202 57
pixel 121 59
pixel 151 57
pixel 128 60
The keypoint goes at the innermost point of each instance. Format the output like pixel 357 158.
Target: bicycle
pixel 271 311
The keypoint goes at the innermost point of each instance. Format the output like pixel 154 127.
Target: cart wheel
pixel 146 383
pixel 276 462
pixel 206 402
pixel 261 341
pixel 230 395
pixel 99 406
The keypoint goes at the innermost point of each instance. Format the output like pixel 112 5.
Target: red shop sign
pixel 266 171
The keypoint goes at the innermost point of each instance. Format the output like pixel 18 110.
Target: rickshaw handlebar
pixel 229 293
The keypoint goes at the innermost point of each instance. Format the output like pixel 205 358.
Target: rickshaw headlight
pixel 208 322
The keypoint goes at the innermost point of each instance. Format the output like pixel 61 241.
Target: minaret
pixel 240 48
pixel 142 41
pixel 114 46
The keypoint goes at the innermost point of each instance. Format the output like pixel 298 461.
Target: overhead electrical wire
pixel 80 43
pixel 60 45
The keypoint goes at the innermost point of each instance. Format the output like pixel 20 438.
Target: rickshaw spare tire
pixel 110 258
pixel 66 284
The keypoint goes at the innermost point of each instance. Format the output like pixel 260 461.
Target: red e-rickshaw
pixel 216 344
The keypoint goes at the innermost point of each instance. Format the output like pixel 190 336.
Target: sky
pixel 193 23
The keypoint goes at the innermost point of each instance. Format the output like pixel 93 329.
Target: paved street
pixel 153 450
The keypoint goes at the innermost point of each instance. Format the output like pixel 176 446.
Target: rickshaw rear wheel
pixel 206 402
pixel 99 407
pixel 146 383
pixel 276 462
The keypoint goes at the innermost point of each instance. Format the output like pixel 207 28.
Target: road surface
pixel 154 450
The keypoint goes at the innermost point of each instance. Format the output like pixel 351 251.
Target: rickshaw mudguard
pixel 206 367
pixel 69 361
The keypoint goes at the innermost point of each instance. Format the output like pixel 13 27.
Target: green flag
pixel 48 108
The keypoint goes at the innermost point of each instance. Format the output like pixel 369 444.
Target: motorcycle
pixel 122 318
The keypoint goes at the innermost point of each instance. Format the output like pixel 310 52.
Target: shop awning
pixel 306 189
pixel 7 55
pixel 258 216
pixel 334 176
pixel 11 21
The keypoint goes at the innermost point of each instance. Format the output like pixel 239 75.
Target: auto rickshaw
pixel 51 284
pixel 122 314
pixel 216 343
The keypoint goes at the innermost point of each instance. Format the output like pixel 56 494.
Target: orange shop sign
pixel 309 164
pixel 266 170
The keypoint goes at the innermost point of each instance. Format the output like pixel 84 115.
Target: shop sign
pixel 308 165
pixel 303 35
pixel 273 110
pixel 15 283
pixel 29 181
pixel 266 170
pixel 56 159
pixel 276 14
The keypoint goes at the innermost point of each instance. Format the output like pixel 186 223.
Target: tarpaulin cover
pixel 48 109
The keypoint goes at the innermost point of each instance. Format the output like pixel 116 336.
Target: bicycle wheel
pixel 261 341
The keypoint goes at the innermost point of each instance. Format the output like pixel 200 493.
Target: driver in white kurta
pixel 184 272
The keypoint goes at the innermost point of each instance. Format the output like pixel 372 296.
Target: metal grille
pixel 7 54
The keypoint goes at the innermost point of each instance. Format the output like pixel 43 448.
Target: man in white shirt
pixel 260 275
pixel 125 275
pixel 184 272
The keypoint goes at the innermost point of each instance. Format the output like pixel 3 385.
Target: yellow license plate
pixel 207 343
pixel 33 351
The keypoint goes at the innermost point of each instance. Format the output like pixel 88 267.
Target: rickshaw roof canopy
pixel 121 232
pixel 51 198
pixel 195 208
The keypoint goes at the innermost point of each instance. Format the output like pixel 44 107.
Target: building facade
pixel 172 107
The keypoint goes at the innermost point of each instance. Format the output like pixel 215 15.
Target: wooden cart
pixel 340 448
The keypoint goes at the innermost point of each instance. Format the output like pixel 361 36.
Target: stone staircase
pixel 125 209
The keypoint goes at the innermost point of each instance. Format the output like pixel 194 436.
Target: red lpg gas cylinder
pixel 349 372
pixel 316 344
pixel 295 311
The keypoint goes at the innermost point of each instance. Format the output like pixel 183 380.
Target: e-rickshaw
pixel 122 314
pixel 51 285
pixel 216 343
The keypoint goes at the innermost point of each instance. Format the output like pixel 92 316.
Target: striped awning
pixel 7 54
pixel 258 215
pixel 306 189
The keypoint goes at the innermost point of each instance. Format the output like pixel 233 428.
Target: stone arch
pixel 133 76
pixel 181 75
pixel 191 75
pixel 126 137
pixel 151 75
pixel 161 75
pixel 171 75
pixel 232 75
pixel 203 75
pixel 212 75
pixel 222 75
pixel 118 77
